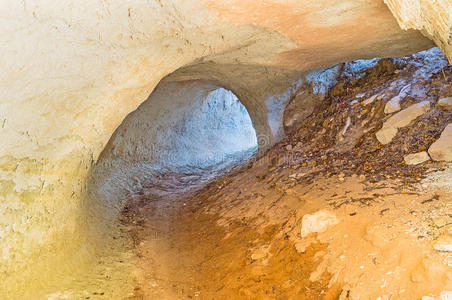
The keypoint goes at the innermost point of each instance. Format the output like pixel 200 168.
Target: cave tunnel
pixel 226 150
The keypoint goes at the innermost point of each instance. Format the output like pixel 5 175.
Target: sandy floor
pixel 240 239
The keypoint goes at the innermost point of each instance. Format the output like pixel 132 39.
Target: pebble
pixel 416 158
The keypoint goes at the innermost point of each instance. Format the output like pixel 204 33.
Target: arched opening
pixel 183 135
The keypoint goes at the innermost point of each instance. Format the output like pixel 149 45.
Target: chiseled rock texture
pixel 432 17
pixel 73 70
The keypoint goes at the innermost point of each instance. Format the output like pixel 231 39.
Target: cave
pixel 226 150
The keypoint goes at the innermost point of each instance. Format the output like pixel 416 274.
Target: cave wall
pixel 431 17
pixel 73 70
pixel 190 127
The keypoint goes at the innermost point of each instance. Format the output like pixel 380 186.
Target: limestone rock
pixel 317 222
pixel 445 103
pixel 399 120
pixel 393 105
pixel 385 135
pixel 441 150
pixel 416 158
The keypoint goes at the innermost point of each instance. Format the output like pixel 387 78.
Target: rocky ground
pixel 355 203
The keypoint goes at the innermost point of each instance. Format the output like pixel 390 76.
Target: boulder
pixel 445 103
pixel 416 158
pixel 441 150
pixel 399 120
pixel 317 222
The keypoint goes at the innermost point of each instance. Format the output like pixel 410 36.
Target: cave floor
pixel 239 238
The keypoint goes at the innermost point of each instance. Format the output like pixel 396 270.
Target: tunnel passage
pixel 194 128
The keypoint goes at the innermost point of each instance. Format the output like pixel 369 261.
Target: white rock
pixel 441 150
pixel 445 103
pixel 393 105
pixel 317 222
pixel 444 244
pixel 370 100
pixel 399 120
pixel 416 158
pixel 446 295
pixel 347 125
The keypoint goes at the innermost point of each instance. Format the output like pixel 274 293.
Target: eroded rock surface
pixel 433 18
pixel 73 70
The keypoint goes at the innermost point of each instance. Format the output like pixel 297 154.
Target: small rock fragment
pixel 416 158
pixel 317 222
pixel 444 244
pixel 300 247
pixel 297 175
pixel 441 150
pixel 446 295
pixel 445 103
pixel 393 105
pixel 361 95
pixel 370 100
pixel 259 254
pixel 347 125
